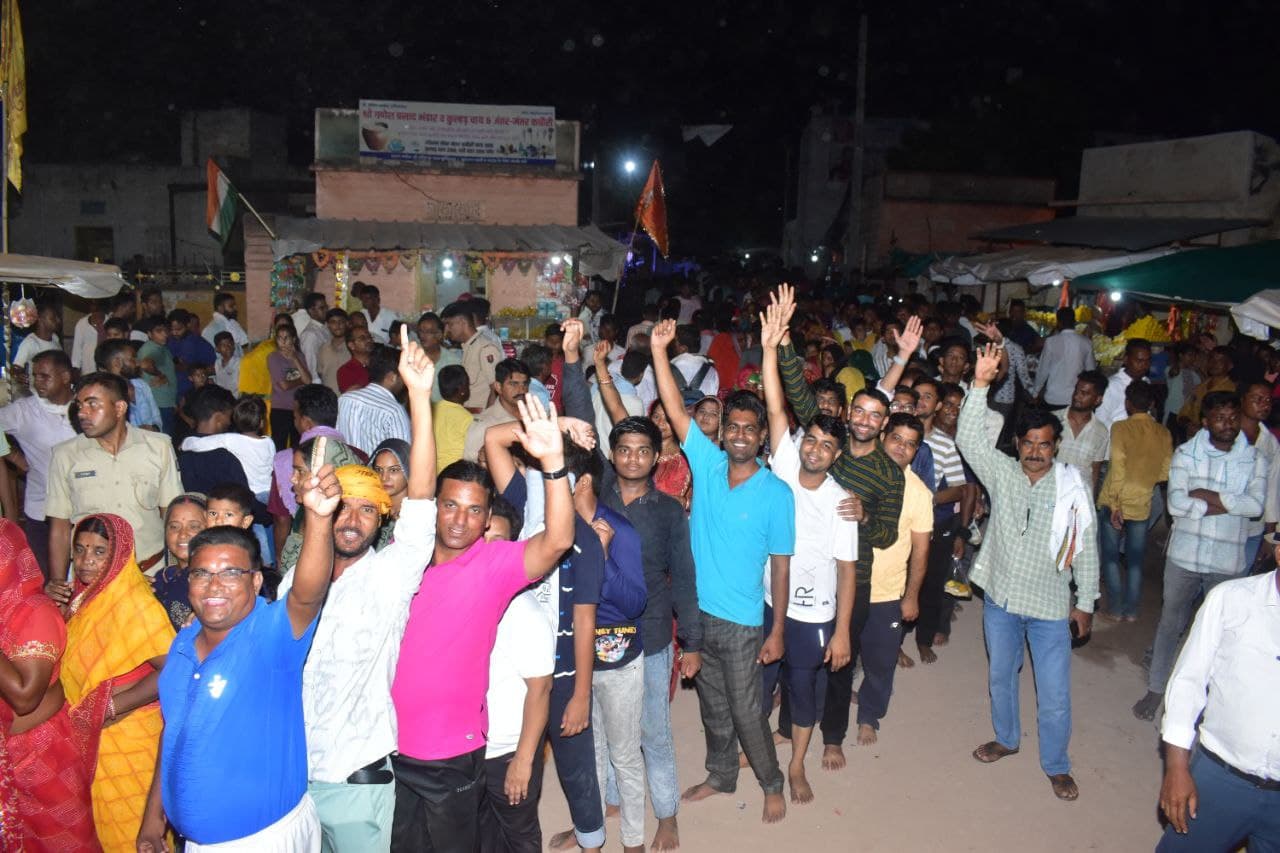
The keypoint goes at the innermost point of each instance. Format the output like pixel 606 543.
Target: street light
pixel 629 167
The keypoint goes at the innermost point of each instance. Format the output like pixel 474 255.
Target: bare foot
pixel 926 654
pixel 742 760
pixel 866 735
pixel 639 848
pixel 800 791
pixel 699 792
pixel 610 810
pixel 566 840
pixel 833 757
pixel 904 660
pixel 779 739
pixel 941 639
pixel 668 835
pixel 775 808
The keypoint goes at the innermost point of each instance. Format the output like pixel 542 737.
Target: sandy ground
pixel 920 789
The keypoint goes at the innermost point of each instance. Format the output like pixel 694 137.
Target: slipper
pixel 1064 787
pixel 992 751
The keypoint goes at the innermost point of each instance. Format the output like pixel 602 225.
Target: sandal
pixel 1064 787
pixel 992 751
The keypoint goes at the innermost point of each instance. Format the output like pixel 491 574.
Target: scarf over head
pixel 360 481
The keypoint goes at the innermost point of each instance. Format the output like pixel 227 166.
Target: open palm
pixel 540 434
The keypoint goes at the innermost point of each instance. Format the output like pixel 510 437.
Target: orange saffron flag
pixel 651 209
pixel 1064 300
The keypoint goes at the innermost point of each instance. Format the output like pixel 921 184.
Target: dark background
pixel 1012 88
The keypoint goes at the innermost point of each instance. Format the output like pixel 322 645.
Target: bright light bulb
pixel 813 258
pixel 447 274
pixel 555 260
pixel 1115 296
pixel 746 256
pixel 629 167
pixel 447 263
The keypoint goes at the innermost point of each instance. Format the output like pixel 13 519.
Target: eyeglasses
pixel 204 576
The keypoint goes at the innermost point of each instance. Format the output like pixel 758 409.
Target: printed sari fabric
pixel 115 627
pixel 45 772
pixel 173 593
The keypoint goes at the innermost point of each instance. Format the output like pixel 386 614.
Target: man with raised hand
pixel 743 520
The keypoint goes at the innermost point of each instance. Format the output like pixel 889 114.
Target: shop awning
pixel 597 253
pixel 92 281
pixel 1258 314
pixel 1129 233
pixel 1039 265
pixel 1207 276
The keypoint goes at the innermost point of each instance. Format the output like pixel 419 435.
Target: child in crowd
pixel 226 369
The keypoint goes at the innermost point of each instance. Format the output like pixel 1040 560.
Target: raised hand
pixel 661 335
pixel 909 337
pixel 600 355
pixel 582 433
pixel 540 432
pixel 320 491
pixel 573 334
pixel 785 299
pixel 772 326
pixel 987 366
pixel 991 330
pixel 416 367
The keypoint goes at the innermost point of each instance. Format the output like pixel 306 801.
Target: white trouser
pixel 296 832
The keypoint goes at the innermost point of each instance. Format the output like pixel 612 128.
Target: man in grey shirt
pixel 1065 356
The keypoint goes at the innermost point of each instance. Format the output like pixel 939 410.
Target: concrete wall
pixel 939 226
pixel 405 196
pixel 1226 175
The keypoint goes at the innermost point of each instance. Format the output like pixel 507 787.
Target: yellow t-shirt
pixel 449 423
pixel 889 565
pixel 852 380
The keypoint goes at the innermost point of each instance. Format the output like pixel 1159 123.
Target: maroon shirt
pixel 353 374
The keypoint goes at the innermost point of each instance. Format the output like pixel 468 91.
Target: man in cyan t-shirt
pixel 238 670
pixel 744 517
pixel 443 671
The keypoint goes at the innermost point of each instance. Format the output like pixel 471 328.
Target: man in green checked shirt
pixel 876 484
pixel 1041 536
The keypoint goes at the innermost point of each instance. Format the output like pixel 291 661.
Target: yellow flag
pixel 13 88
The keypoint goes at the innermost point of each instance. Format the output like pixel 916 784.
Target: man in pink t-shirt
pixel 443 670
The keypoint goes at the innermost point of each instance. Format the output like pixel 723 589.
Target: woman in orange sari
pixel 118 634
pixel 47 750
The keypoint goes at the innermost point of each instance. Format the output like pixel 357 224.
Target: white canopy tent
pixel 1042 266
pixel 92 281
pixel 1258 314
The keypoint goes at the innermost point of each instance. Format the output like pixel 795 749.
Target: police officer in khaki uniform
pixel 111 467
pixel 480 355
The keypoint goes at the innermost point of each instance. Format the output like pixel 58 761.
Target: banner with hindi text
pixel 471 133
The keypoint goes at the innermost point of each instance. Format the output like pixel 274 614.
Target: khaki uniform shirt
pixel 135 484
pixel 480 356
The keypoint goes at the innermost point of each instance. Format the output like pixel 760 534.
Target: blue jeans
pixel 1006 635
pixel 1229 811
pixel 1123 591
pixel 656 742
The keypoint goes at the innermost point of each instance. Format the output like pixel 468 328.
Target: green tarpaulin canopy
pixel 1209 276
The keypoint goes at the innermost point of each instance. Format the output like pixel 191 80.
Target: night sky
pixel 1015 87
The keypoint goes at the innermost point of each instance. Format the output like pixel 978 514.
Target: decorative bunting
pixel 322 258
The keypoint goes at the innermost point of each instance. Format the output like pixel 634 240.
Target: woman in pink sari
pixel 47 750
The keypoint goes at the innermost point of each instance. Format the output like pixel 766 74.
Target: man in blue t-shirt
pixel 743 518
pixel 238 670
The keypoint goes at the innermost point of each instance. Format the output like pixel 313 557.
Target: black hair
pixel 466 471
pixel 317 402
pixel 637 426
pixel 150 291
pixel 207 401
pixel 743 401
pixel 500 507
pixel 1225 352
pixel 689 337
pixel 59 358
pixel 875 394
pixel 236 493
pixel 1142 395
pixel 1066 318
pixel 905 419
pixel 116 385
pixel 1136 344
pixel 479 309
pixel 223 336
pixel 909 391
pixel 178 315
pixel 458 309
pixel 92 524
pixel 832 426
pixel 552 330
pixel 1219 400
pixel 118 324
pixel 1018 303
pixel 838 356
pixel 1094 378
pixel 610 320
pixel 430 317
pixel 582 462
pixel 335 312
pixel 371 290
pixel 223 295
pixel 146 324
pixel 826 385
pixel 453 382
pixel 946 389
pixel 227 535
pixel 192 498
pixel 1036 418
pixel 249 414
pixel 312 299
pixel 537 357
pixel 121 299
pixel 927 380
pixel 382 361
pixel 949 344
pixel 509 366
pixel 633 365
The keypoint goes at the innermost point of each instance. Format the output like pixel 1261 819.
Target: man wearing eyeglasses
pixel 233 756
pixel 346 684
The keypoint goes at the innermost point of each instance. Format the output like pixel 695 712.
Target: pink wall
pixel 416 197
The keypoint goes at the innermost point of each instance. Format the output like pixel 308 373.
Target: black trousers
pixel 282 431
pixel 575 763
pixel 881 638
pixel 505 828
pixel 438 804
pixel 935 604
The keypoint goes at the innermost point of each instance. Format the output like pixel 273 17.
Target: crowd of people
pixel 343 588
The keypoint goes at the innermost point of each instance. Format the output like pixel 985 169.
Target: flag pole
pixel 623 277
pixel 256 215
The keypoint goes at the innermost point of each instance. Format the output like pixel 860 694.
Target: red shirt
pixel 353 374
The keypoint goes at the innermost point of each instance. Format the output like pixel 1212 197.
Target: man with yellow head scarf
pixel 347 678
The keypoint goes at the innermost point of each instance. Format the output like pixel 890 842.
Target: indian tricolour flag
pixel 220 206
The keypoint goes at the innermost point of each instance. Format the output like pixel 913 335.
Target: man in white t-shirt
pixel 820 597
pixel 519 702
pixel 43 337
pixel 690 302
